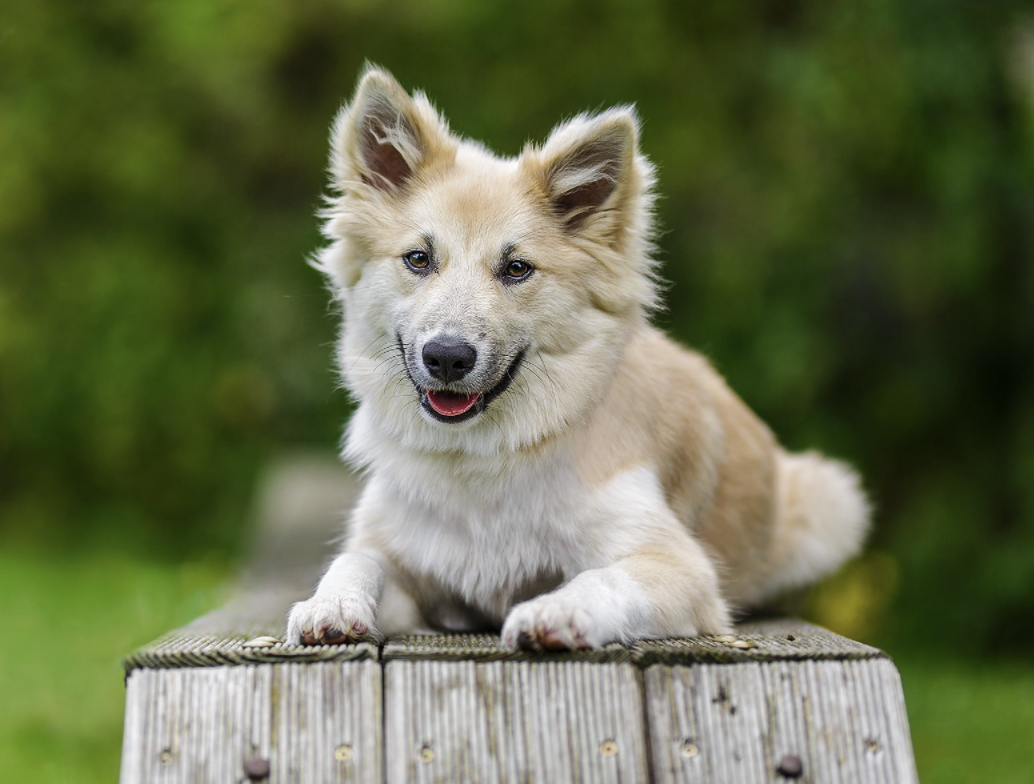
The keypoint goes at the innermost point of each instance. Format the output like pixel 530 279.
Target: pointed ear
pixel 587 165
pixel 383 137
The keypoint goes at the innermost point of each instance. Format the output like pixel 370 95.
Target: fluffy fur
pixel 617 489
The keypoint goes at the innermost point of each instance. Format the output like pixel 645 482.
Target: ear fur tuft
pixel 383 135
pixel 588 162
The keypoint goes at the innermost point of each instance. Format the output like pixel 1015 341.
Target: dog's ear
pixel 383 137
pixel 590 171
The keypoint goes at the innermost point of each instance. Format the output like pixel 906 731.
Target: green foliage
pixel 846 204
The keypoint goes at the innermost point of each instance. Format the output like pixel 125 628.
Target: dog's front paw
pixel 553 622
pixel 331 620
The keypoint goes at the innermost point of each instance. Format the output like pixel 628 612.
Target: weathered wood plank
pixel 769 639
pixel 844 720
pixel 230 635
pixel 487 647
pixel 226 636
pixel 310 722
pixel 449 721
pixel 766 639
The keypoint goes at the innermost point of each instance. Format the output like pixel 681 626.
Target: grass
pixel 67 621
pixel 972 721
pixel 66 624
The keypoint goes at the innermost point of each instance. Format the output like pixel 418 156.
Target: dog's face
pixel 486 300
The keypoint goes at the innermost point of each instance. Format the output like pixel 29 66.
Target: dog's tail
pixel 821 521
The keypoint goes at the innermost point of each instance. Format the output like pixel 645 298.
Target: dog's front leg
pixel 344 606
pixel 359 598
pixel 666 589
pixel 362 594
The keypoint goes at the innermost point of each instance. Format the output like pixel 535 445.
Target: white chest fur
pixel 484 534
pixel 489 528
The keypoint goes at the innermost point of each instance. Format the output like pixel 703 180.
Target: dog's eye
pixel 417 260
pixel 517 270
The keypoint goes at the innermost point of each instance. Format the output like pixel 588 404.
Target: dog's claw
pixel 334 636
pixel 549 623
pixel 331 635
pixel 549 640
pixel 543 639
pixel 321 621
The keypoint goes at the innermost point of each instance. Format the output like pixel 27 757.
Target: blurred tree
pixel 848 219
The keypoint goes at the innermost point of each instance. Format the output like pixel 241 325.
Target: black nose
pixel 449 359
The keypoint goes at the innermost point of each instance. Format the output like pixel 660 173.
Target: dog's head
pixel 486 299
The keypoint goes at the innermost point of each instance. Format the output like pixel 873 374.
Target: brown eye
pixel 517 270
pixel 417 260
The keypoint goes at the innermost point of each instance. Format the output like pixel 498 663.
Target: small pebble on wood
pixel 790 766
pixel 261 642
pixel 256 768
pixel 741 644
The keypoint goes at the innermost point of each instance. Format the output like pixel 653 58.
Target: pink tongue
pixel 451 404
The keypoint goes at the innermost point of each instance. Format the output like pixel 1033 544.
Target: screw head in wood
pixel 426 754
pixel 343 753
pixel 689 749
pixel 790 766
pixel 608 748
pixel 256 768
pixel 165 758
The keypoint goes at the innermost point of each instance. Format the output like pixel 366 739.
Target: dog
pixel 540 460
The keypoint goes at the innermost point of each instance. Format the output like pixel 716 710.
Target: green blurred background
pixel 847 213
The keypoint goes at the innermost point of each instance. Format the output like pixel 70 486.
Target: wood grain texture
pixel 487 647
pixel 452 721
pixel 226 636
pixel 845 721
pixel 764 639
pixel 461 708
pixel 310 722
pixel 222 638
pixel 768 639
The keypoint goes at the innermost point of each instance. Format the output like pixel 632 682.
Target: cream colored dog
pixel 539 458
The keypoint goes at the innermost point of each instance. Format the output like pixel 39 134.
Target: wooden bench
pixel 224 700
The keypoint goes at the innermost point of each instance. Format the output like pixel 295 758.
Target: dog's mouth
pixel 449 404
pixel 453 407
